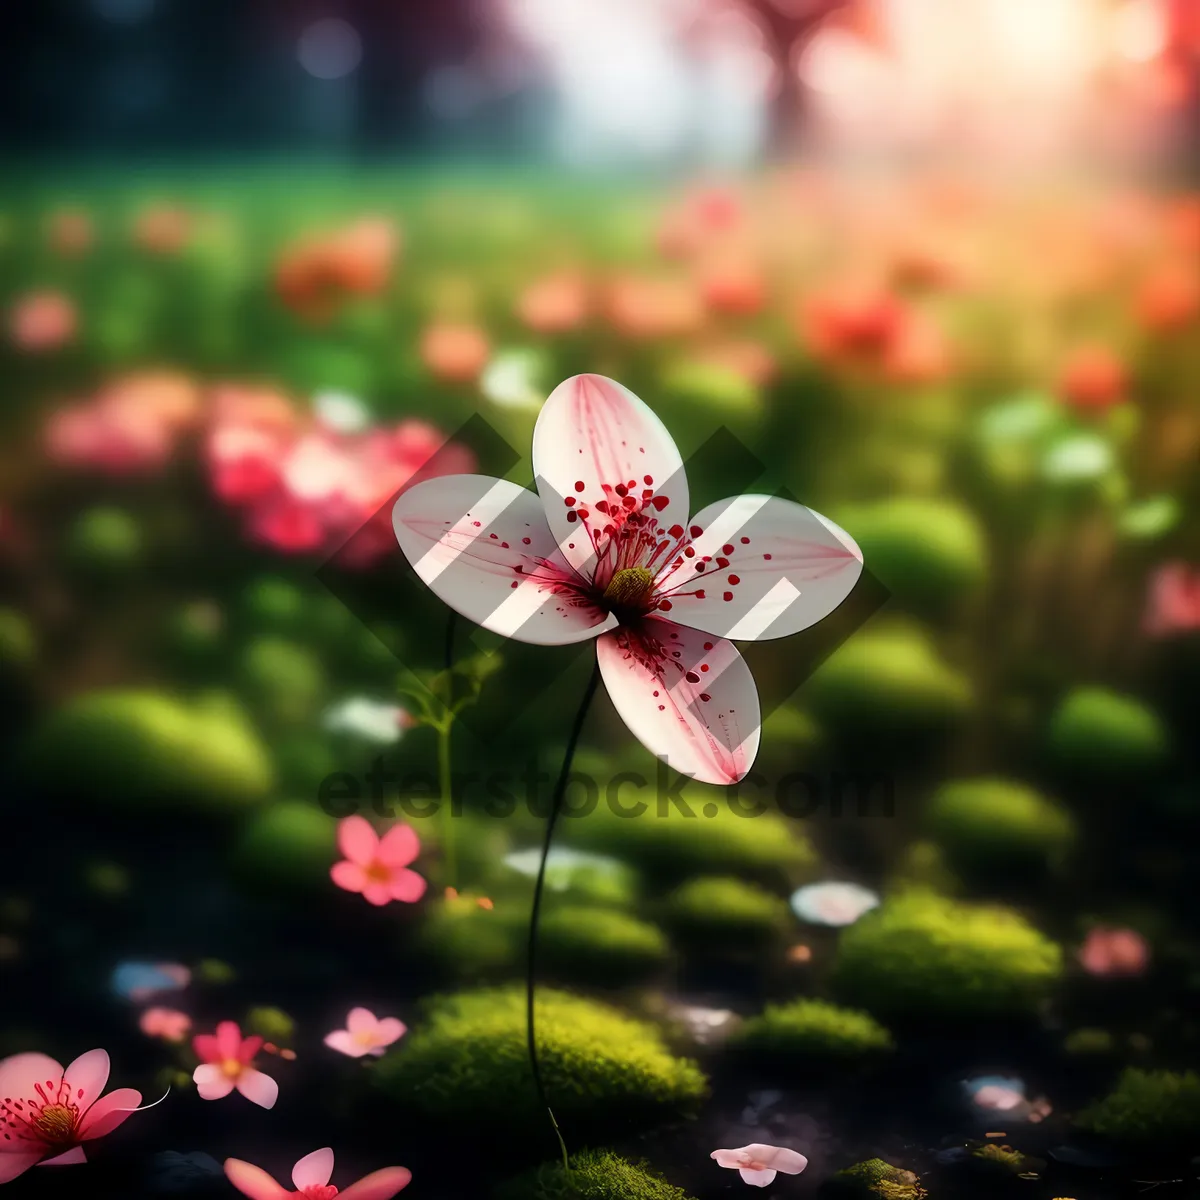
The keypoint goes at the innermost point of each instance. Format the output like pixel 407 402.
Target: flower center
pixel 232 1067
pixel 365 1038
pixel 379 872
pixel 629 588
pixel 319 1191
pixel 56 1123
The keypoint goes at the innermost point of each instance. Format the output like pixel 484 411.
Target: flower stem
pixel 556 800
pixel 445 777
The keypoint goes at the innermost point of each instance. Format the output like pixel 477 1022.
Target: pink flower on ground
pixel 759 1164
pixel 42 321
pixel 365 1033
pixel 1174 601
pixel 605 550
pixel 166 1023
pixel 455 353
pixel 378 866
pixel 554 304
pixel 227 1062
pixel 46 1112
pixel 1114 952
pixel 311 1179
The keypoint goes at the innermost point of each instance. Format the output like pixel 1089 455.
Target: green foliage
pixel 195 633
pixel 720 390
pixel 721 914
pixel 803 1031
pixel 590 944
pixel 1149 1111
pixel 290 845
pixel 1097 734
pixel 283 678
pixel 922 866
pixel 875 1180
pixel 272 605
pixel 474 944
pixel 106 879
pixel 992 826
pixel 145 749
pixel 105 541
pixel 468 1064
pixel 1001 1159
pixel 18 643
pixel 593 1175
pixel 923 956
pixel 1089 1043
pixel 889 680
pixel 271 1024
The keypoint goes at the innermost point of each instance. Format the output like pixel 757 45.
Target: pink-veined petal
pixel 757 1178
pixel 779 1158
pixel 389 1030
pixel 379 1185
pixel 314 1169
pixel 253 1181
pixel 399 846
pixel 343 1042
pixel 109 1112
pixel 258 1088
pixel 13 1164
pixel 70 1158
pixel 484 547
pixel 726 1158
pixel 21 1072
pixel 361 1020
pixel 593 432
pixel 687 697
pixel 378 894
pixel 357 840
pixel 86 1076
pixel 407 886
pixel 348 876
pixel 770 568
pixel 229 1040
pixel 205 1047
pixel 211 1082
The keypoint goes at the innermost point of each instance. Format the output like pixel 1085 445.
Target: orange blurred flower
pixel 749 359
pixel 1092 378
pixel 162 229
pixel 732 285
pixel 42 321
pixel 1169 298
pixel 642 307
pixel 554 303
pixel 455 353
pixel 316 273
pixel 70 231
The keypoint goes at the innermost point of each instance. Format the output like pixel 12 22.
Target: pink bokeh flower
pixel 605 550
pixel 1114 952
pixel 377 867
pixel 311 1176
pixel 227 1062
pixel 169 1024
pixel 48 1112
pixel 759 1164
pixel 1173 605
pixel 162 229
pixel 365 1033
pixel 554 303
pixel 42 321
pixel 455 353
pixel 1092 379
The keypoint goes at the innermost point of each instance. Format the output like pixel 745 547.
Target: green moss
pixel 928 553
pixel 290 844
pixel 1149 1111
pixel 18 644
pixel 1089 1043
pixel 472 944
pixel 923 956
pixel 1001 1159
pixel 593 1175
pixel 804 1031
pixel 922 866
pixel 889 681
pixel 105 541
pixel 590 944
pixel 144 749
pixel 1098 734
pixel 272 605
pixel 720 914
pixel 992 826
pixel 468 1063
pixel 875 1180
pixel 272 1024
pixel 284 679
pixel 195 632
pixel 790 729
pixel 721 391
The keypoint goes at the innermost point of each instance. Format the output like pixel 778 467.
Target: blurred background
pixel 932 266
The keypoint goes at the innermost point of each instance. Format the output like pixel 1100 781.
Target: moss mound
pixel 144 749
pixel 720 914
pixel 874 1180
pixel 1097 733
pixel 1149 1111
pixel 889 681
pixel 468 1063
pixel 594 1175
pixel 993 826
pixel 921 956
pixel 468 943
pixel 289 845
pixel 283 679
pixel 804 1031
pixel 591 944
pixel 273 605
pixel 105 541
pixel 928 553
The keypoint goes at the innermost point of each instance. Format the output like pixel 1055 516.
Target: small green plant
pixel 1099 734
pixel 593 1175
pixel 590 944
pixel 722 915
pixel 875 1180
pixel 1149 1111
pixel 804 1031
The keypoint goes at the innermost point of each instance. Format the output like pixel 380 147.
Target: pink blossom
pixel 378 866
pixel 227 1062
pixel 365 1033
pixel 605 550
pixel 1092 379
pixel 1114 952
pixel 1002 1099
pixel 1174 601
pixel 166 1023
pixel 758 1164
pixel 46 1112
pixel 310 1176
pixel 42 321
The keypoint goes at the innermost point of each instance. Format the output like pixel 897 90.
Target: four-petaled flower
pixel 378 866
pixel 311 1177
pixel 606 550
pixel 759 1164
pixel 47 1113
pixel 365 1033
pixel 227 1062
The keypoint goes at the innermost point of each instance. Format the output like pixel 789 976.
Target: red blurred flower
pixel 162 229
pixel 313 276
pixel 455 353
pixel 1169 298
pixel 1108 952
pixel 70 231
pixel 1092 378
pixel 554 303
pixel 1173 605
pixel 732 285
pixel 42 321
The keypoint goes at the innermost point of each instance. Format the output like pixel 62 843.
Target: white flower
pixel 340 412
pixel 510 380
pixel 562 865
pixel 835 904
pixel 372 720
